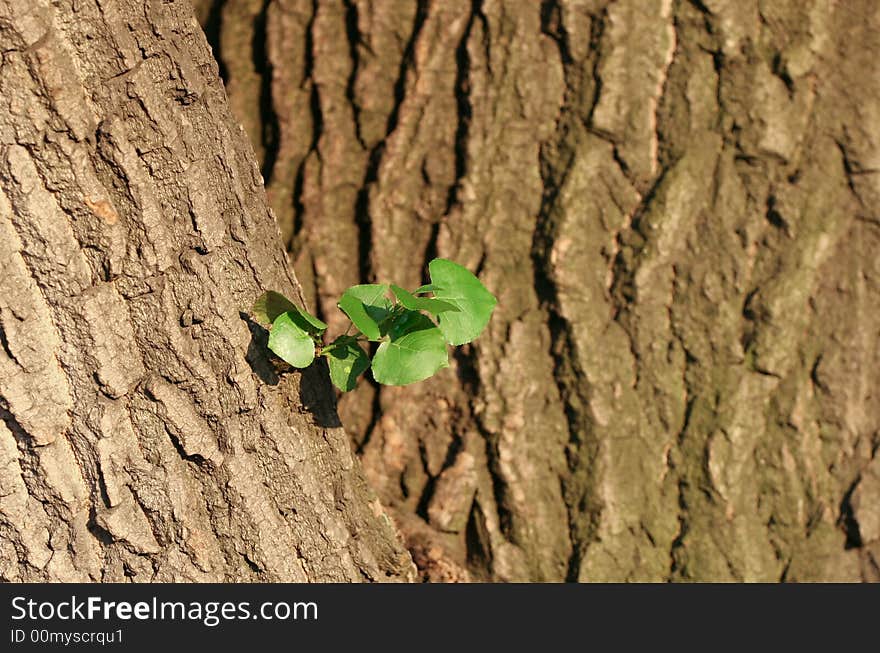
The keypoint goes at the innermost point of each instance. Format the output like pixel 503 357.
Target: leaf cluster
pixel 411 329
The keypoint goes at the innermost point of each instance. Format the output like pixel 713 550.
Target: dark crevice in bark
pixel 487 39
pixel 552 25
pixel 465 113
pixel 362 216
pixel 850 171
pixel 752 319
pixel 299 208
pixel 354 41
pixel 570 381
pixel 318 309
pixel 678 540
pixel 499 488
pixel 463 101
pixel 13 425
pixel 317 127
pixel 774 217
pixel 212 28
pixel 597 28
pixel 701 7
pixel 407 62
pixel 32 475
pixel 630 242
pixel 718 66
pixel 431 251
pixel 101 486
pixel 575 558
pixel 581 454
pixel 401 483
pixel 784 575
pixel 463 105
pixel 100 533
pixel 847 519
pixel 477 541
pixel 362 205
pixel 315 97
pixel 665 146
pixel 253 566
pixel 271 132
pixel 478 545
pixel 572 388
pixel 428 489
pixel 618 159
pixel 777 67
pixel 198 460
pixel 4 343
pixel 683 483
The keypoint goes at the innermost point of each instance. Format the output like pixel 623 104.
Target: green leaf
pixel 415 351
pixel 406 321
pixel 423 289
pixel 306 321
pixel 291 342
pixel 317 326
pixel 366 306
pixel 347 362
pixel 413 303
pixel 458 286
pixel 271 304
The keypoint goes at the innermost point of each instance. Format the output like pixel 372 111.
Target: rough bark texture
pixel 677 205
pixel 145 435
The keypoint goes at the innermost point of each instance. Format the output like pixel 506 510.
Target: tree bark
pixel 676 204
pixel 145 436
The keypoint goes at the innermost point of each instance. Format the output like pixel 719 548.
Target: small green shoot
pixel 412 346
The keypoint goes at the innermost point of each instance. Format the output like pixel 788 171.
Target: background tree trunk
pixel 144 434
pixel 677 206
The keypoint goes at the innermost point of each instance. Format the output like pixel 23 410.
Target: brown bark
pixel 676 204
pixel 145 435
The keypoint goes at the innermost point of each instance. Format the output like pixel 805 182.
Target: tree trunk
pixel 145 435
pixel 676 204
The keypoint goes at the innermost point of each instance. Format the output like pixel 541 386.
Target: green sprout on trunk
pixel 412 329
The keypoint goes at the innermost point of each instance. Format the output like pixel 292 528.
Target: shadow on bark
pixel 317 395
pixel 258 352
